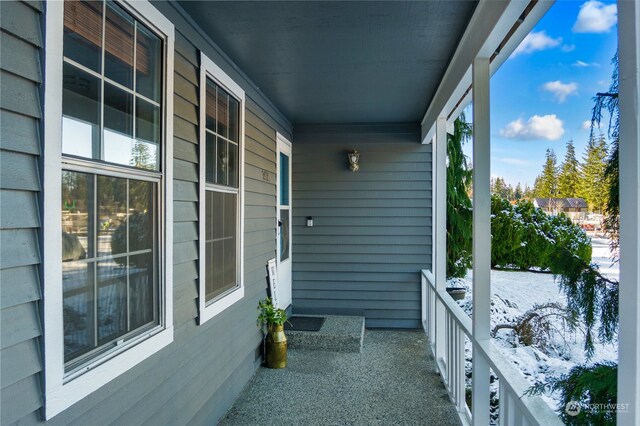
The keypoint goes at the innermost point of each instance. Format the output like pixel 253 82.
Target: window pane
pixel 78 311
pixel 230 208
pixel 234 119
pixel 141 215
pixel 211 106
pixel 148 63
pixel 112 209
pixel 214 215
pixel 210 158
pixel 147 135
pixel 214 285
pixel 229 232
pixel 233 165
pixel 118 110
pixel 112 299
pixel 284 179
pixel 147 121
pixel 229 263
pixel 81 111
pixel 284 234
pixel 77 216
pixel 143 297
pixel 83 33
pixel 221 243
pixel 118 58
pixel 118 123
pixel 223 113
pixel 222 162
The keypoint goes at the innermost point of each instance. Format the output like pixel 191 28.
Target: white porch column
pixel 440 246
pixel 481 237
pixel 629 305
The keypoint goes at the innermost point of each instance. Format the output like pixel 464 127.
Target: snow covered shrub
pixel 524 237
pixel 540 325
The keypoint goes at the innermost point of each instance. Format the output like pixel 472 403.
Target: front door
pixel 284 221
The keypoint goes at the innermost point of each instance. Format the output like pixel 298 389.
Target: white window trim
pixel 208 69
pixel 61 392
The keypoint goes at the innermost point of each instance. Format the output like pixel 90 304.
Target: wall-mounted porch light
pixel 353 160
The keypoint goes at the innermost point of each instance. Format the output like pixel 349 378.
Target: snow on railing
pixel 446 326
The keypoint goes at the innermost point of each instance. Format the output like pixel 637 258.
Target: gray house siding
pixel 372 229
pixel 20 113
pixel 196 378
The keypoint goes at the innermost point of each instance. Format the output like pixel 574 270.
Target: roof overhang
pixel 340 62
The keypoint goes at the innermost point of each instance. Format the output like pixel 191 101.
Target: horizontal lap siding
pixel 20 147
pixel 372 229
pixel 197 377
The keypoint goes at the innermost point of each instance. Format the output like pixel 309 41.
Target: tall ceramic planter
pixel 276 356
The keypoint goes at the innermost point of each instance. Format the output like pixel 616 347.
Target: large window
pixel 221 189
pixel 108 110
pixel 110 114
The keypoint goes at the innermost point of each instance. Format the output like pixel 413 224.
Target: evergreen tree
pixel 459 209
pixel 518 194
pixel 569 176
pixel 593 183
pixel 549 178
pixel 595 384
pixel 609 102
pixel 499 187
pixel 510 193
pixel 528 192
pixel 536 192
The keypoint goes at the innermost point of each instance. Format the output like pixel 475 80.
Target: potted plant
pixel 276 341
pixel 456 288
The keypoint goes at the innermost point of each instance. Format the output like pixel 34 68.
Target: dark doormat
pixel 304 323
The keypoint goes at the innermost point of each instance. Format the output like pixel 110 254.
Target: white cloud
pixel 568 47
pixel 561 90
pixel 547 127
pixel 596 17
pixel 582 64
pixel 535 41
pixel 586 125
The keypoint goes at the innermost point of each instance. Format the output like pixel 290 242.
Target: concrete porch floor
pixel 392 382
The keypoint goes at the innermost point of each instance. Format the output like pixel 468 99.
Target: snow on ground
pixel 515 292
pixel 601 255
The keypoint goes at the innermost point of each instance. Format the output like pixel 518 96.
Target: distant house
pixel 575 208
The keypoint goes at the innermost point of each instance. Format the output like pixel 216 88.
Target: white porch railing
pixel 448 345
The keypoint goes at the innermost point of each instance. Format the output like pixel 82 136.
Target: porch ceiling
pixel 340 62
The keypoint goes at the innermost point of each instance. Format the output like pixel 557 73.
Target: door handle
pixel 280 223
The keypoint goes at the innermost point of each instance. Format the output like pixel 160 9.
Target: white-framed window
pixel 107 193
pixel 221 190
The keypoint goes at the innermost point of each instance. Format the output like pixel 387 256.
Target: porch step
pixel 337 334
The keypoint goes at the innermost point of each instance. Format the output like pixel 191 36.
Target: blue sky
pixel 542 95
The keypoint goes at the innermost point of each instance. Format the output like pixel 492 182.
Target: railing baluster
pixel 454 360
pixel 462 377
pixel 451 355
pixel 448 347
pixel 504 405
